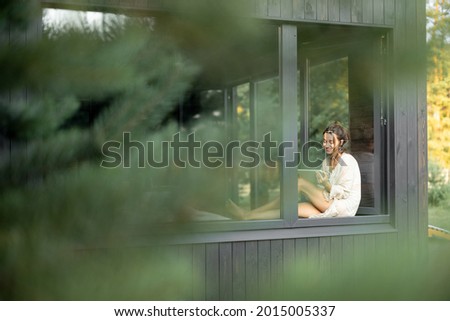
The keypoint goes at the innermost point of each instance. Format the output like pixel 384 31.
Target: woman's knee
pixel 307 209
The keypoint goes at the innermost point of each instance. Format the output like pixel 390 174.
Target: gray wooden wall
pixel 8 147
pixel 410 116
pixel 371 12
pixel 379 12
pixel 246 270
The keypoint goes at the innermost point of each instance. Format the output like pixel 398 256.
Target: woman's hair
pixel 341 132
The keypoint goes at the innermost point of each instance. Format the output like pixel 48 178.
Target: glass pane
pixel 57 20
pixel 266 187
pixel 340 90
pixel 246 69
pixel 362 123
pixel 257 187
pixel 363 151
pixel 328 99
pixel 212 105
pixel 242 110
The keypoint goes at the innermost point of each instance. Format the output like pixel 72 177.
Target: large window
pixel 244 93
pixel 257 115
pixel 341 76
pixel 343 81
pixel 245 96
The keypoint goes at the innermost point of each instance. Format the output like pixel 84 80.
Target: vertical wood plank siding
pixel 333 10
pixel 410 120
pixel 225 271
pixel 422 124
pixel 400 118
pixel 287 9
pixel 243 270
pixel 367 11
pixel 357 11
pixel 322 10
pixel 274 8
pixel 336 258
pixel 417 142
pixel 263 249
pixel 310 9
pixel 212 270
pixel 199 266
pixel 325 255
pixel 346 11
pixel 261 8
pixel 412 116
pixel 251 269
pixel 276 263
pixel 298 9
pixel 238 271
pixel 389 12
pixel 379 12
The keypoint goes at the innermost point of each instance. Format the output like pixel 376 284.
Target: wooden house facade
pixel 381 45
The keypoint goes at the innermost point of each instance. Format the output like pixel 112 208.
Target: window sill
pixel 277 229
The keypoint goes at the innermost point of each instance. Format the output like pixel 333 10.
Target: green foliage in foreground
pixel 70 239
pixel 70 230
pixel 59 211
pixel 391 276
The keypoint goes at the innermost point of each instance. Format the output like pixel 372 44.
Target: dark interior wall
pixel 362 71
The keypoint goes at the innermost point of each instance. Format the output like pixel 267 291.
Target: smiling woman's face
pixel 330 143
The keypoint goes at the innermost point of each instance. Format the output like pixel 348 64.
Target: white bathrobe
pixel 345 193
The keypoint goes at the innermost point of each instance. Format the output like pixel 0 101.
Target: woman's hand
pixel 322 179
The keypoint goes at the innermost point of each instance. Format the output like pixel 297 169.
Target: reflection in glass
pixel 328 99
pixel 266 186
pixel 257 110
pixel 242 110
pixel 258 114
pixel 340 90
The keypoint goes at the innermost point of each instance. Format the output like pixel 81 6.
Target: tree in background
pixel 439 82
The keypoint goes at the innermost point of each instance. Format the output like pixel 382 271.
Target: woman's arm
pixel 322 179
pixel 349 170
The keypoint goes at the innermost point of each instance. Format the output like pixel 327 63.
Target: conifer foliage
pixel 57 205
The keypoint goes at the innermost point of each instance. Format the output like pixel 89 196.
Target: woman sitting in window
pixel 338 193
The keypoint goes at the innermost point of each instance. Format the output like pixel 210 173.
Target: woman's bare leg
pixel 318 204
pixel 307 209
pixel 260 213
pixel 314 194
pixel 272 205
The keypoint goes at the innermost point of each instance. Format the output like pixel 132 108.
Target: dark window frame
pixel 378 219
pixel 289 226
